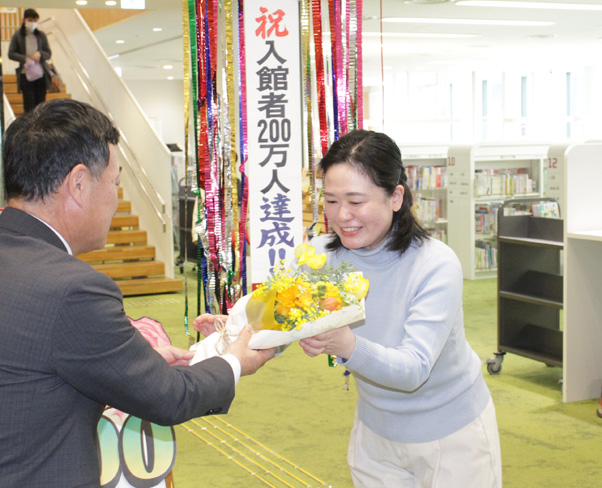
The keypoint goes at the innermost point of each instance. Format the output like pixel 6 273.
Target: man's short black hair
pixel 42 146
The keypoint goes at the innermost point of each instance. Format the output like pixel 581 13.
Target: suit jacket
pixel 66 350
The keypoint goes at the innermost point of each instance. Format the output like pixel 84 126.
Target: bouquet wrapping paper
pixel 214 344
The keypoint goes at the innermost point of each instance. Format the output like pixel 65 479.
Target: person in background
pixel 67 348
pixel 424 415
pixel 29 46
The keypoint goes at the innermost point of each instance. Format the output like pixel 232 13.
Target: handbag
pixel 33 70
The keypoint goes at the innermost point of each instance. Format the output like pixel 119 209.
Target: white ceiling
pixel 571 40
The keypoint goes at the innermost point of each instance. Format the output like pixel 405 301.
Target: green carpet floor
pixel 289 423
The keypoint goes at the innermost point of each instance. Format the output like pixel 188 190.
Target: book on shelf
pixel 427 209
pixel 548 210
pixel 503 182
pixel 485 254
pixel 486 218
pixel 426 177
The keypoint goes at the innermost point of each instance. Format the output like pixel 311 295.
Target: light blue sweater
pixel 417 377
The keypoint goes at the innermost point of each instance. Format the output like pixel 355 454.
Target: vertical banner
pixel 274 133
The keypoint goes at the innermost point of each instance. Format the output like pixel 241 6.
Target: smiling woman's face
pixel 358 211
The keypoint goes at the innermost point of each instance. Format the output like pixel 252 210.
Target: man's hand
pixel 36 56
pixel 205 323
pixel 174 355
pixel 250 360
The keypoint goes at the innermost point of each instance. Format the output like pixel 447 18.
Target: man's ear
pixel 397 197
pixel 77 182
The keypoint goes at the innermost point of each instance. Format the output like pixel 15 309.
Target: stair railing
pixel 85 72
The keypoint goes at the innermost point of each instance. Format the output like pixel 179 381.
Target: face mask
pixel 30 26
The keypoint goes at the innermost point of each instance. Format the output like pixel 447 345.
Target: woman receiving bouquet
pixel 424 416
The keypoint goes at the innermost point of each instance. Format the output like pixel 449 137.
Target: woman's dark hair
pixel 43 145
pixel 30 14
pixel 376 155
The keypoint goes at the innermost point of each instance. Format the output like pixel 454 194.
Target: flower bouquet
pixel 292 304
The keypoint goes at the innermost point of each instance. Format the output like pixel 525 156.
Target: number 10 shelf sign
pixel 274 132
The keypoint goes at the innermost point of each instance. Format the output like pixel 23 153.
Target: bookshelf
pixel 582 272
pixel 480 178
pixel 530 287
pixel 426 168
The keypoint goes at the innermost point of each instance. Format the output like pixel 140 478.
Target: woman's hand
pixel 339 342
pixel 205 323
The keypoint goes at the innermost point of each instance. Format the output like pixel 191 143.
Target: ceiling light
pixel 533 5
pixel 422 35
pixel 170 77
pixel 134 4
pixel 168 66
pixel 157 29
pixel 119 41
pixel 513 23
pixel 542 36
pixel 81 2
pixel 111 3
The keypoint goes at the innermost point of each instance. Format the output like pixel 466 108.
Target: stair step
pixel 121 221
pixel 119 253
pixel 149 286
pixel 18 106
pixel 14 98
pixel 126 237
pixel 123 206
pixel 136 269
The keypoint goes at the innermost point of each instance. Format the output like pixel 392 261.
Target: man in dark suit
pixel 67 348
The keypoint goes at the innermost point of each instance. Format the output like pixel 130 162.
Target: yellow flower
pixel 302 249
pixel 357 285
pixel 290 298
pixel 304 300
pixel 316 261
pixel 306 254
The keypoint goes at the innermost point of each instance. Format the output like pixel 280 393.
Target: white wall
pixel 163 104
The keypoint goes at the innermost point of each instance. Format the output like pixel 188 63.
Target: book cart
pixel 530 286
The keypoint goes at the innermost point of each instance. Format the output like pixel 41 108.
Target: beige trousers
pixel 468 458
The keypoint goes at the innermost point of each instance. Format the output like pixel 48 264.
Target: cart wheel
pixel 494 364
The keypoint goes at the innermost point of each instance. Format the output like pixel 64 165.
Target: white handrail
pixel 145 183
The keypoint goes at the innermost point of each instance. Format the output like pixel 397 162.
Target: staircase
pixel 16 99
pixel 128 259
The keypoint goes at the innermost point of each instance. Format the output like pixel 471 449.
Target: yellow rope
pixel 224 442
pixel 255 451
pixel 270 451
pixel 227 455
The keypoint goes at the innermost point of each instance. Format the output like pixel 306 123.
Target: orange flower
pixel 288 296
pixel 330 303
pixel 282 310
pixel 304 300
